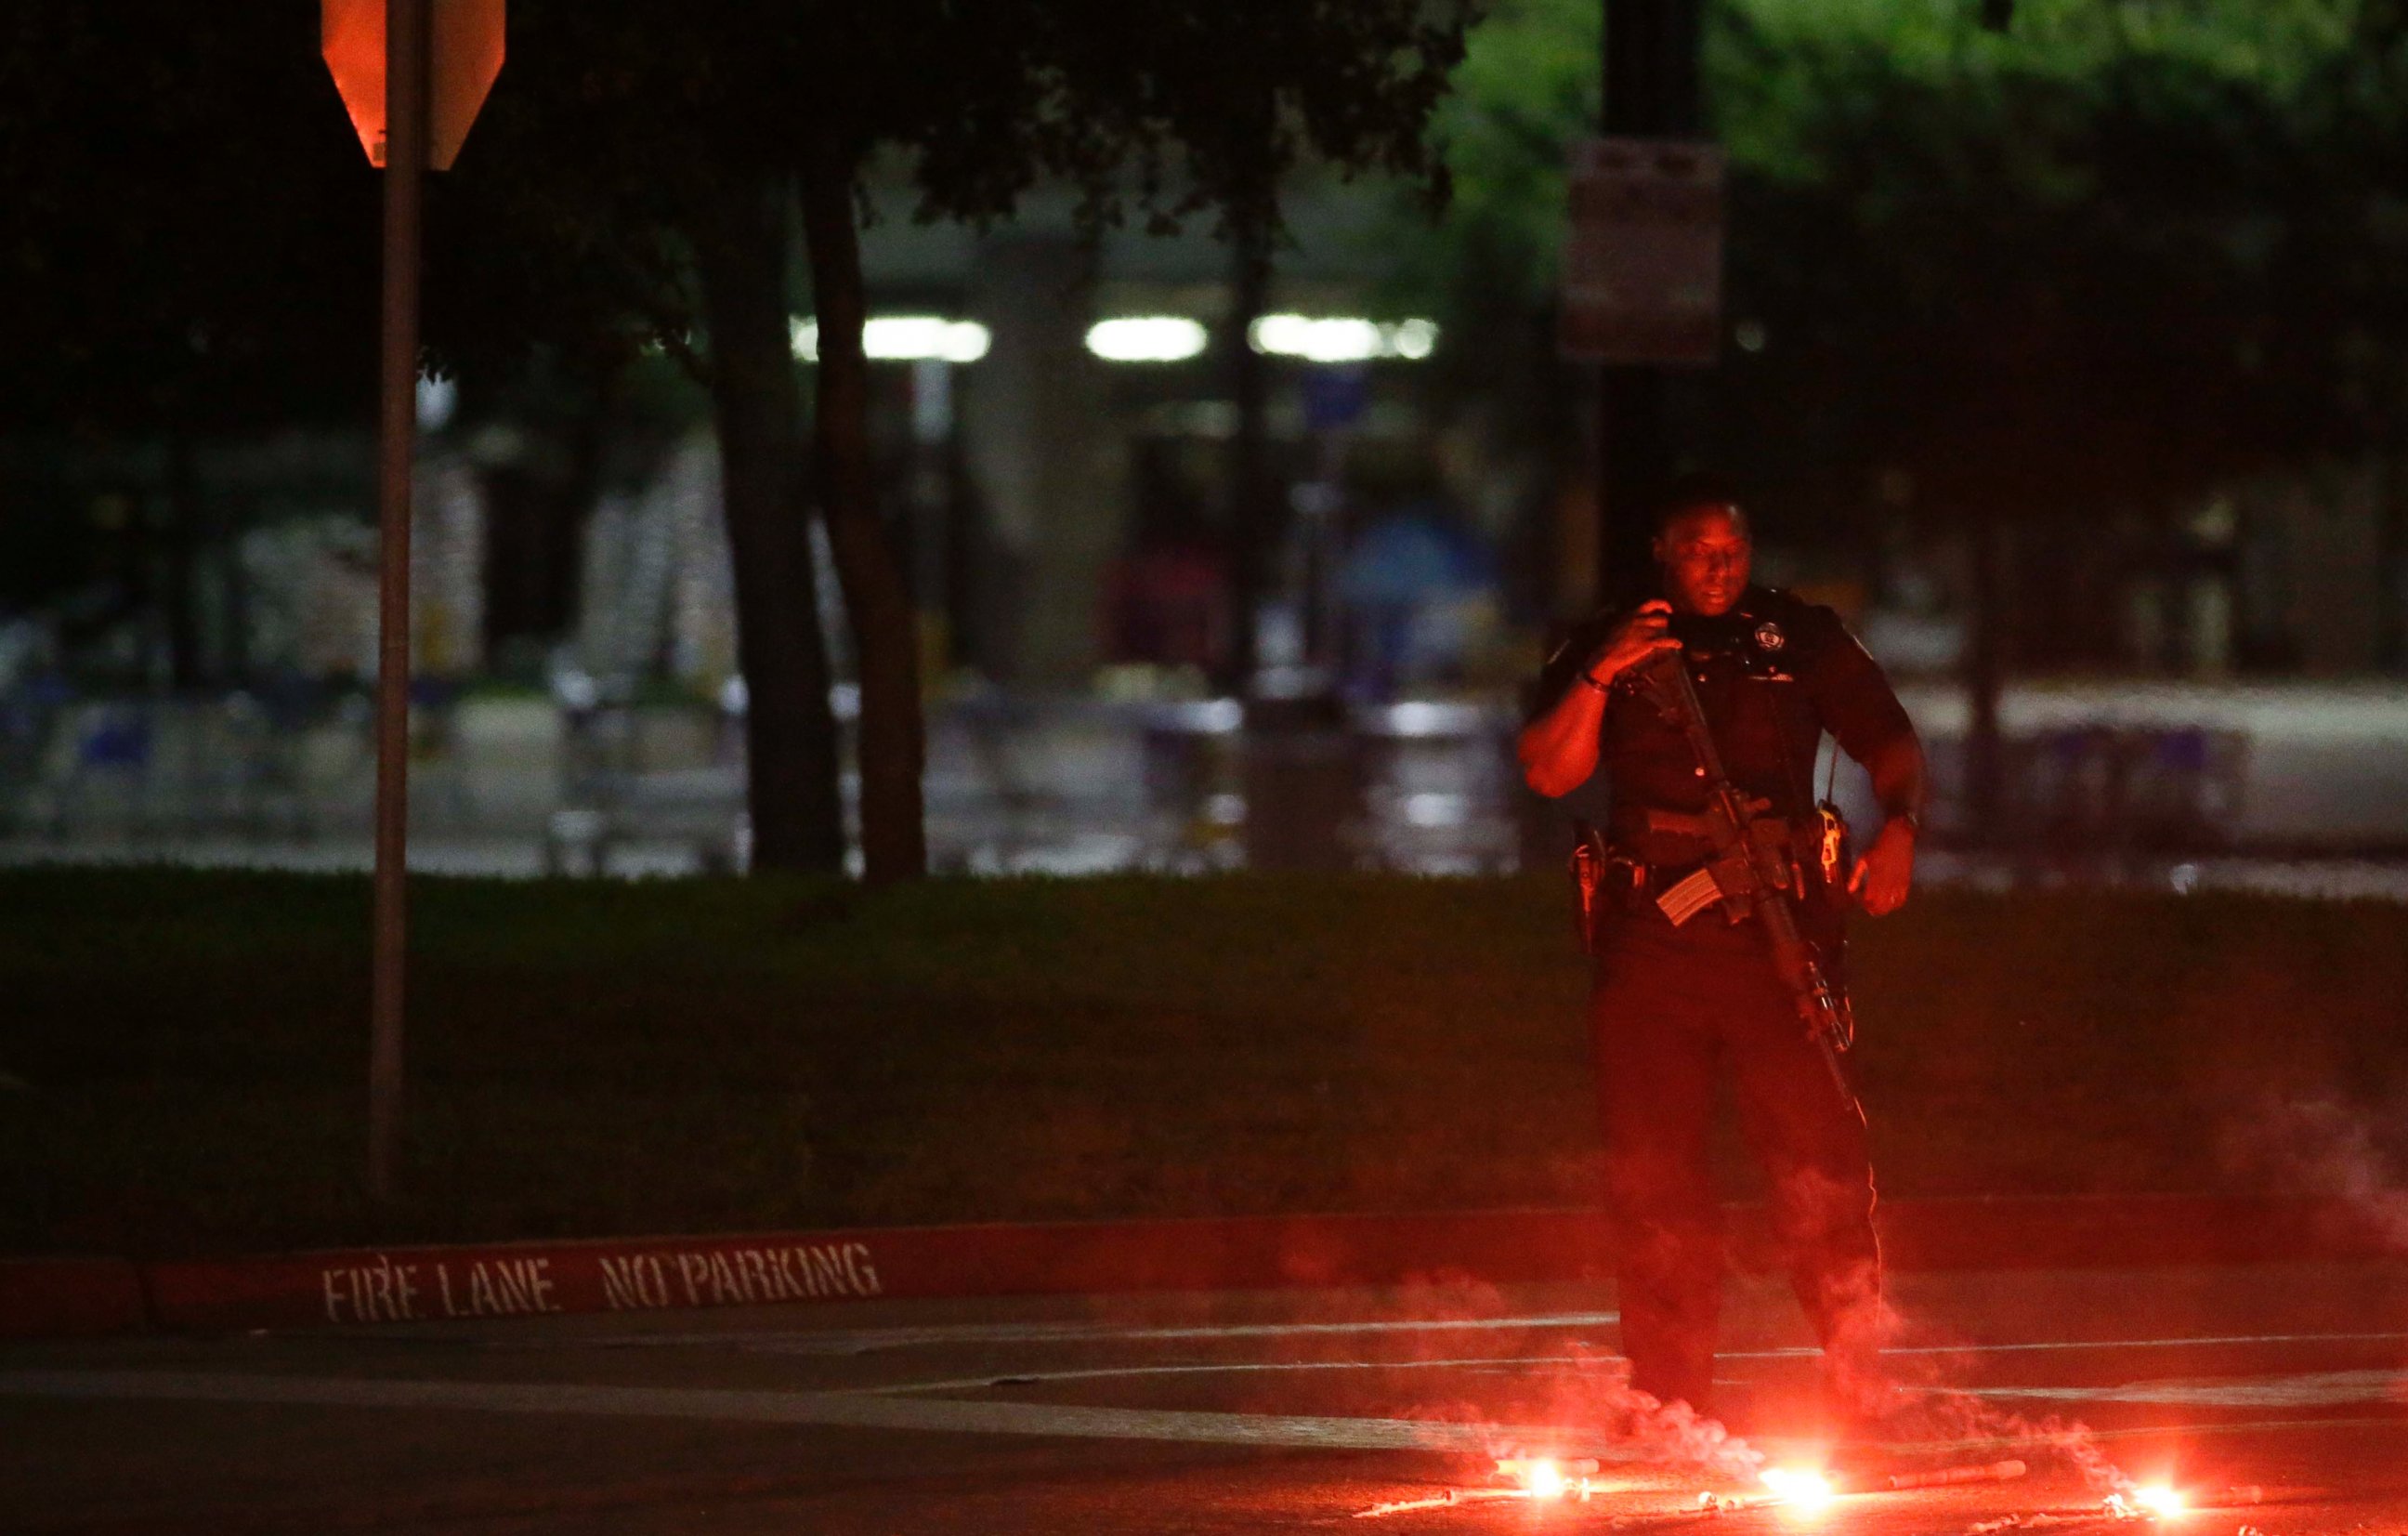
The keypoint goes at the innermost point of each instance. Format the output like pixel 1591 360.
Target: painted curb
pixel 355 1287
pixel 69 1297
pixel 348 1287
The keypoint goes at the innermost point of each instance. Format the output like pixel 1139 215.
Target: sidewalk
pixel 365 1287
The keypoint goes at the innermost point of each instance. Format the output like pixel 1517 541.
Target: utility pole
pixel 1650 67
pixel 1985 794
pixel 407 45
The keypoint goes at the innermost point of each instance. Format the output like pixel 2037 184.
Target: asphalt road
pixel 2272 1396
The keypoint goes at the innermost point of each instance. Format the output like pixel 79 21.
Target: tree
pixel 2042 278
pixel 614 134
pixel 2099 263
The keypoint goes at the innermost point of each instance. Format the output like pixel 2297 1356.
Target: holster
pixel 1590 861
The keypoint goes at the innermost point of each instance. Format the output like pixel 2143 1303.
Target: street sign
pixel 465 55
pixel 1643 256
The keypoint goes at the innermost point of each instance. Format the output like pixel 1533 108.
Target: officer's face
pixel 1705 555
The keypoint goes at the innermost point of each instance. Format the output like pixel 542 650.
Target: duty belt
pixel 1678 841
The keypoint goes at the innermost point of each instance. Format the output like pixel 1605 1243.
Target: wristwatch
pixel 1588 678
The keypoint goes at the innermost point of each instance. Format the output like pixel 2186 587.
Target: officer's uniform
pixel 1671 1006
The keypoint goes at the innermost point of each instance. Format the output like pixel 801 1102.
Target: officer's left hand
pixel 1882 876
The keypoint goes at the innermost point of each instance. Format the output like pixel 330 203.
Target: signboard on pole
pixel 464 55
pixel 1643 256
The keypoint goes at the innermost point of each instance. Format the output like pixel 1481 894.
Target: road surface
pixel 2271 1395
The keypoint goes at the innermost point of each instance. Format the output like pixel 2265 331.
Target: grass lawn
pixel 185 1052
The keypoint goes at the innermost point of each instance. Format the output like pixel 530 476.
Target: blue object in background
pixel 1335 396
pixel 121 738
pixel 1400 583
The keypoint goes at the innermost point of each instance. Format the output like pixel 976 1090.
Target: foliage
pixel 191 228
pixel 2098 262
pixel 606 125
pixel 1525 90
pixel 2043 273
pixel 593 1057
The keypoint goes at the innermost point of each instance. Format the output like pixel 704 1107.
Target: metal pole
pixel 405 48
pixel 1650 80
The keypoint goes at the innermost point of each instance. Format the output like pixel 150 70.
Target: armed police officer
pixel 1675 1004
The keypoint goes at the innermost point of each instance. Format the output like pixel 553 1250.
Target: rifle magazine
pixel 1690 897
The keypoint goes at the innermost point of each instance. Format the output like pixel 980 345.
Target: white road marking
pixel 848 1410
pixel 2059 1346
pixel 1207 1368
pixel 864 1340
pixel 867 1340
pixel 2312 1389
pixel 1218 1367
pixel 876 1411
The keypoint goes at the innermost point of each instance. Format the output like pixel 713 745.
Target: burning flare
pixel 2159 1499
pixel 1545 1476
pixel 1805 1490
pixel 2149 1501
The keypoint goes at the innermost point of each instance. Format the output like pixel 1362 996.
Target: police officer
pixel 1673 1006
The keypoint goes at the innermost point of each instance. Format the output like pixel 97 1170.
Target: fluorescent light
pixel 1341 338
pixel 905 338
pixel 1330 340
pixel 1146 338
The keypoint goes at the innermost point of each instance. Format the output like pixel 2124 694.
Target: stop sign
pixel 467 38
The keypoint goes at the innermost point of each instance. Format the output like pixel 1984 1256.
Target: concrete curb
pixel 355 1287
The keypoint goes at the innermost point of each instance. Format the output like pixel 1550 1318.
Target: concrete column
pixel 1050 462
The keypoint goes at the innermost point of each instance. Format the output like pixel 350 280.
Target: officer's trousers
pixel 1670 1009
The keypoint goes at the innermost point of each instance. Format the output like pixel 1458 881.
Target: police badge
pixel 1769 637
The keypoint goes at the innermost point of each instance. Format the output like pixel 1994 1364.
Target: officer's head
pixel 1703 550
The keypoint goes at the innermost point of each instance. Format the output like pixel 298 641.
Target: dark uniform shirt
pixel 1774 674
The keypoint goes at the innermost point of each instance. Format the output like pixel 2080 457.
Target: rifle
pixel 1754 871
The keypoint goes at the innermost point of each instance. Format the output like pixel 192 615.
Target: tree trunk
pixel 739 241
pixel 885 627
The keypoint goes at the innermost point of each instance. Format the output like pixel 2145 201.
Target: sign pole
pixel 407 40
pixel 1650 69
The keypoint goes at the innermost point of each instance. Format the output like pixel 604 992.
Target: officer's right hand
pixel 1645 634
